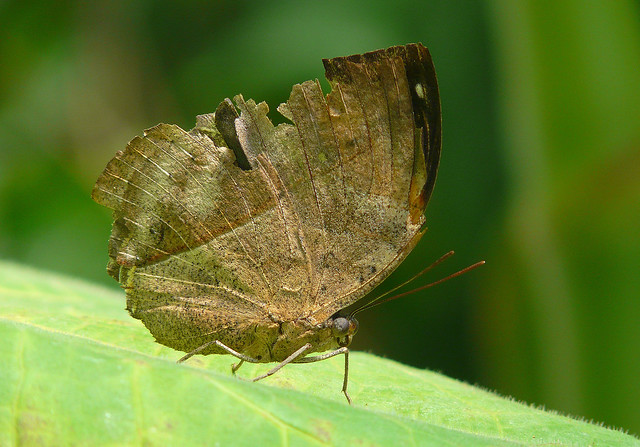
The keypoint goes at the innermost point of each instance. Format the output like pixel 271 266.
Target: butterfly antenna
pixel 380 300
pixel 417 275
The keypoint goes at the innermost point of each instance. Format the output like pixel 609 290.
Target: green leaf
pixel 77 370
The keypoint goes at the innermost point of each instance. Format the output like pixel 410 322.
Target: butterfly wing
pixel 356 168
pixel 187 241
pixel 238 224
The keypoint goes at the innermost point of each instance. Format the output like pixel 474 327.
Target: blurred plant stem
pixel 570 106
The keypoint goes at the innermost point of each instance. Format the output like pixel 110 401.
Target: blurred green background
pixel 540 173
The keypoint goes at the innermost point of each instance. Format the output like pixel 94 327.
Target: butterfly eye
pixel 341 327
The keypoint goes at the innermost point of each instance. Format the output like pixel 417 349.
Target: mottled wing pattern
pixel 356 169
pixel 190 234
pixel 238 224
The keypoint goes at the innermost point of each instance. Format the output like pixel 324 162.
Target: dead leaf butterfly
pixel 244 238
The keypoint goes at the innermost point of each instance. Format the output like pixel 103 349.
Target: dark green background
pixel 540 172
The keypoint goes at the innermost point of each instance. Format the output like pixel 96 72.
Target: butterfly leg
pixel 242 357
pixel 292 358
pixel 318 358
pixel 236 366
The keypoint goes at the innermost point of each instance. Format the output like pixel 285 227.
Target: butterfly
pixel 244 238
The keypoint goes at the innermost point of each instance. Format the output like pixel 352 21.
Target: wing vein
pixel 315 196
pixel 209 286
pixel 214 202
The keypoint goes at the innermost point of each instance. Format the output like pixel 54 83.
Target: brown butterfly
pixel 242 238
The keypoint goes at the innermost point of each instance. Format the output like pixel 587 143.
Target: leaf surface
pixel 77 370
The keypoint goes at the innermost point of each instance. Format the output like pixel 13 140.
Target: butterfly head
pixel 344 328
